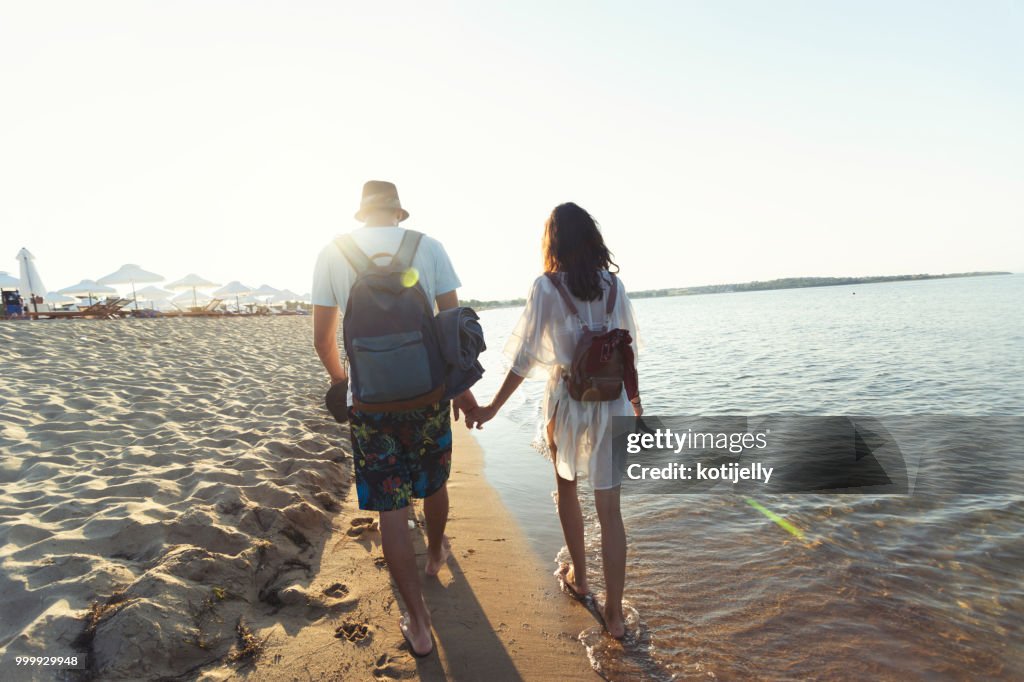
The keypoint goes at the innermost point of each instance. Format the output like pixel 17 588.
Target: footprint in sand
pixel 384 670
pixel 380 562
pixel 360 525
pixel 337 590
pixel 326 501
pixel 353 632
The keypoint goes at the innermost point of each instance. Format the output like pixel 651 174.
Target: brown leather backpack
pixel 603 361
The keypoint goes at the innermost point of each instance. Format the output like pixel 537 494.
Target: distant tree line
pixel 785 283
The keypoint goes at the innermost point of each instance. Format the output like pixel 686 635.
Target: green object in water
pixel 779 521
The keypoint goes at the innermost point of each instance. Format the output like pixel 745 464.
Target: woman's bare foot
pixel 420 641
pixel 567 575
pixel 614 622
pixel 435 563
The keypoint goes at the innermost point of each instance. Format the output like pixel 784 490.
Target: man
pixel 397 454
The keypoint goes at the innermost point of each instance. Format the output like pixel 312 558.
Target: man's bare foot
pixel 434 564
pixel 566 573
pixel 614 623
pixel 421 643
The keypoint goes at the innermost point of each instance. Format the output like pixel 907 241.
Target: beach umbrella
pixel 30 281
pixel 236 288
pixel 284 296
pixel 249 301
pixel 194 282
pixel 8 281
pixel 130 274
pixel 196 297
pixel 87 287
pixel 154 295
pixel 55 298
pixel 265 291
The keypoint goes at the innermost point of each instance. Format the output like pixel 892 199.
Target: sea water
pixel 925 586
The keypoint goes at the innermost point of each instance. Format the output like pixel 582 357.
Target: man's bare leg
pixel 435 511
pixel 401 559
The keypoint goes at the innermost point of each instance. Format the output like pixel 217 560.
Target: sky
pixel 714 142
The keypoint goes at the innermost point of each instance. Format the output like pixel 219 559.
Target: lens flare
pixel 410 277
pixel 781 522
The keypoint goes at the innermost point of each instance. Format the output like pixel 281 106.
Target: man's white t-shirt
pixel 333 276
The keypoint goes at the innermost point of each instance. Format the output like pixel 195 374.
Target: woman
pixel 543 344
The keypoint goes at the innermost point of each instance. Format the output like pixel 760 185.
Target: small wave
pixel 631 658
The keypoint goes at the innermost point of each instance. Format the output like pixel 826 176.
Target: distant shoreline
pixel 768 285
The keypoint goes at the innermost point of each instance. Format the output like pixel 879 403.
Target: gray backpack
pixel 395 360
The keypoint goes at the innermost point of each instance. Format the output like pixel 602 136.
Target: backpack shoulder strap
pixel 613 293
pixel 407 249
pixel 352 253
pixel 560 288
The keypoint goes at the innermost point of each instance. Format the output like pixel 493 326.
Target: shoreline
pixel 496 610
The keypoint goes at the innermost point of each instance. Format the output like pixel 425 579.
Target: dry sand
pixel 169 486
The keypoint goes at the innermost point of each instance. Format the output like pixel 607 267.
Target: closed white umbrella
pixel 87 287
pixel 194 282
pixel 235 287
pixel 30 281
pixel 130 274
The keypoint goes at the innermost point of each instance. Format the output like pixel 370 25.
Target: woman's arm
pixel 487 412
pixel 508 387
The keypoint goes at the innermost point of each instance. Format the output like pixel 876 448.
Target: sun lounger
pixel 100 310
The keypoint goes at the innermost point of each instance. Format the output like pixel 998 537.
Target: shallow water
pixel 926 586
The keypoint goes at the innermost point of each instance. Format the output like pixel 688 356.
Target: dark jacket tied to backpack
pixel 462 341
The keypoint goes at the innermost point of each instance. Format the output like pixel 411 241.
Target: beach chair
pixel 208 310
pixel 115 307
pixel 100 310
pixel 97 310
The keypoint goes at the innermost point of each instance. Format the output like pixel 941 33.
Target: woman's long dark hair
pixel 573 244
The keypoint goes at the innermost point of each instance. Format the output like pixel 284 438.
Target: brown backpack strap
pixel 565 294
pixel 613 293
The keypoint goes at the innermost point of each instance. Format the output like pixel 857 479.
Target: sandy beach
pixel 176 503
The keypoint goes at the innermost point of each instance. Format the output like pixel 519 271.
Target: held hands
pixel 465 403
pixel 480 415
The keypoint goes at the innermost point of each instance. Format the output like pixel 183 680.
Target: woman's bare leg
pixel 571 516
pixel 613 554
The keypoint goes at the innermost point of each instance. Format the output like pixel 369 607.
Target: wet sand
pixel 173 490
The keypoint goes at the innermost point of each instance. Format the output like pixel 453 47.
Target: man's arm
pixel 325 341
pixel 449 299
